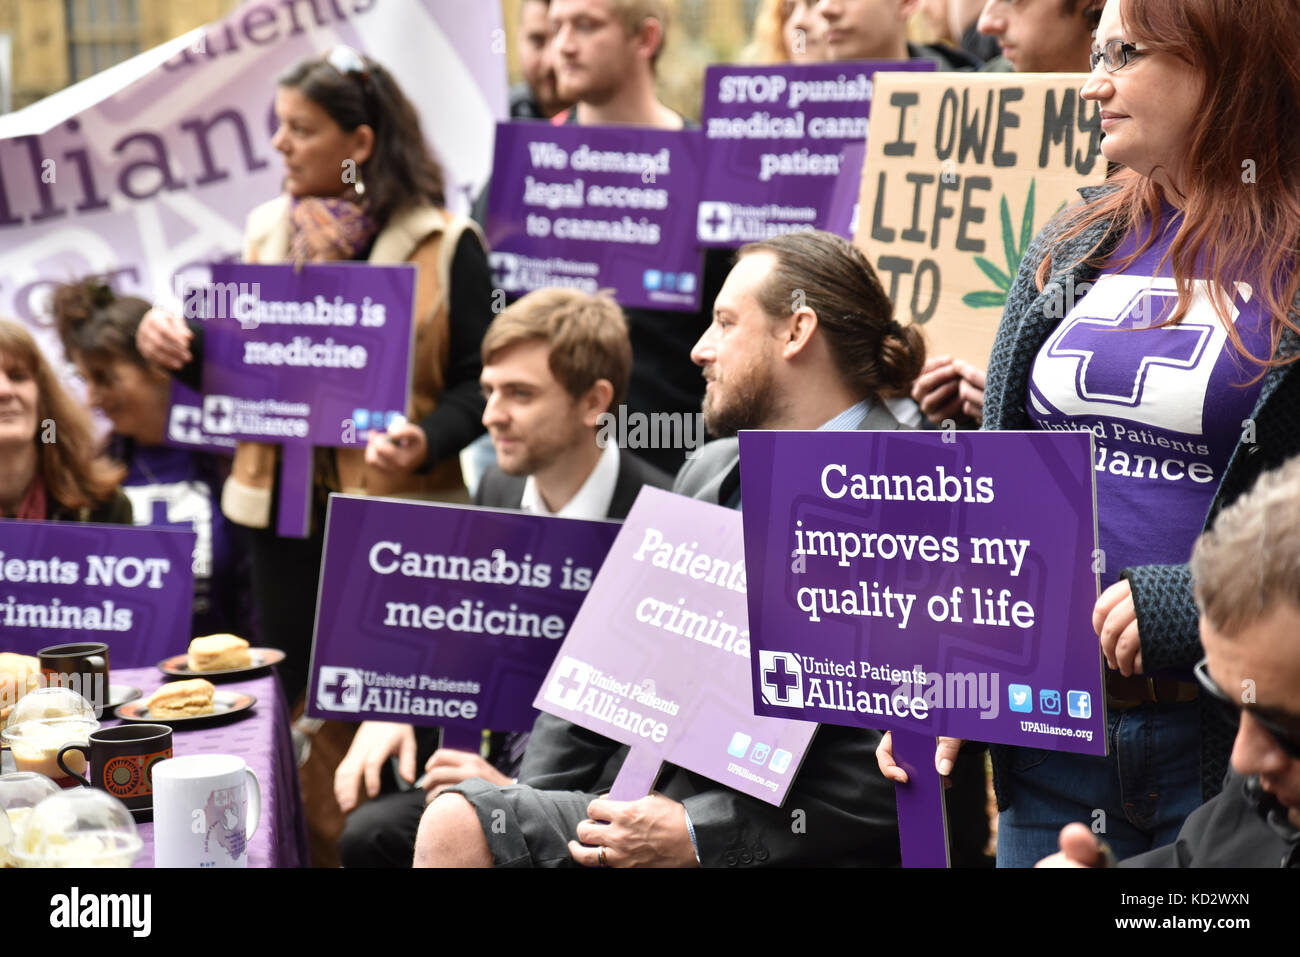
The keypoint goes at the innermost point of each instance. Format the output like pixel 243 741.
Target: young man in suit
pixel 802 338
pixel 553 364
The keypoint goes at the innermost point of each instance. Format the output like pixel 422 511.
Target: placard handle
pixel 922 817
pixel 637 775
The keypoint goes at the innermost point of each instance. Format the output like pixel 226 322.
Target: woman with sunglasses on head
pixel 360 185
pixel 178 486
pixel 50 466
pixel 1179 353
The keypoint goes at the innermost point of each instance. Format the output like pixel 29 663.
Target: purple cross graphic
pixel 567 682
pixel 189 420
pixel 337 685
pixel 714 220
pixel 781 679
pixel 1125 349
pixel 217 413
pixel 158 517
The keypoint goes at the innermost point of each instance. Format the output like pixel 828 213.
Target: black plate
pixel 178 665
pixel 121 694
pixel 224 704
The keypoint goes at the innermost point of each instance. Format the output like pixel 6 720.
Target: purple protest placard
pixel 937 582
pixel 775 145
pixel 131 588
pixel 445 615
pixel 596 207
pixel 185 423
pixel 658 657
pixel 316 356
pixel 842 210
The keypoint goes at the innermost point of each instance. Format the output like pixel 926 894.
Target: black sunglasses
pixel 1116 54
pixel 1287 738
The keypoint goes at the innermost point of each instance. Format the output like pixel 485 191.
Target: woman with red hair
pixel 50 467
pixel 1163 315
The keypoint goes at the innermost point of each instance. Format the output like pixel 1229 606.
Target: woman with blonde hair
pixel 50 466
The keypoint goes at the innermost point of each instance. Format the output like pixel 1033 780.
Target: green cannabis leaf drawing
pixel 1015 252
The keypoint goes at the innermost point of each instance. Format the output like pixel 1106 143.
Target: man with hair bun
pixel 801 338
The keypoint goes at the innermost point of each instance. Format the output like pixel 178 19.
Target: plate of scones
pixel 182 701
pixel 220 655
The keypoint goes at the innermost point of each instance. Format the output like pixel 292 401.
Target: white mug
pixel 206 808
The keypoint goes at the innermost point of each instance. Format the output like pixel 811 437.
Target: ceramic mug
pixel 81 666
pixel 123 759
pixel 206 808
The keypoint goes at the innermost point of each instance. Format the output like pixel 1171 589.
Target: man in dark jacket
pixel 1246 571
pixel 801 339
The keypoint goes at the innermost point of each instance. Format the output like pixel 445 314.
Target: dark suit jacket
pixel 841 810
pixel 499 490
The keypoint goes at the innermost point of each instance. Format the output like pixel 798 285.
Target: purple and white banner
pixel 146 171
pixel 658 657
pixel 317 356
pixel 131 588
pixel 445 615
pixel 597 207
pixel 941 583
pixel 775 141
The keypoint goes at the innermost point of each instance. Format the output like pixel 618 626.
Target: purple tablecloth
pixel 261 737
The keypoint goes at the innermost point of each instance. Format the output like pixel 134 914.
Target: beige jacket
pixel 426 236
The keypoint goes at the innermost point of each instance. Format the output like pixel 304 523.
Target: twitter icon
pixel 1020 698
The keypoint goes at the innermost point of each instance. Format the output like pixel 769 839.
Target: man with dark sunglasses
pixel 1246 571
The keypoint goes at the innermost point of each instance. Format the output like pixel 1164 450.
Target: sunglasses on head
pixel 347 62
pixel 1286 736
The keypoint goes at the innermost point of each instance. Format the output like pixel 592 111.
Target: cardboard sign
pixel 941 583
pixel 593 208
pixel 775 140
pixel 444 615
pixel 317 356
pixel 131 588
pixel 658 657
pixel 962 171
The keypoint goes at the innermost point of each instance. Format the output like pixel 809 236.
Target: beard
pixel 750 403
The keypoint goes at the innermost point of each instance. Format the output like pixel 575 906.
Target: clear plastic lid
pixel 46 703
pixel 81 827
pixel 24 789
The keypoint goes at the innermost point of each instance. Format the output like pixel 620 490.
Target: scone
pixel 182 699
pixel 218 653
pixel 19 674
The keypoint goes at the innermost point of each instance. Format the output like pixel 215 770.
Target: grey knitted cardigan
pixel 1162 594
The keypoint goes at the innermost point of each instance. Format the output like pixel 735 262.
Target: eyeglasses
pixel 1116 54
pixel 1287 738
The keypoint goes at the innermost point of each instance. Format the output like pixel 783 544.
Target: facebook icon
pixel 1079 704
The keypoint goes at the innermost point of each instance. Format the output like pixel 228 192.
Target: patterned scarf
pixel 330 228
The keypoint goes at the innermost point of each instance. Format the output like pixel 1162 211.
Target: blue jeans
pixel 1135 800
